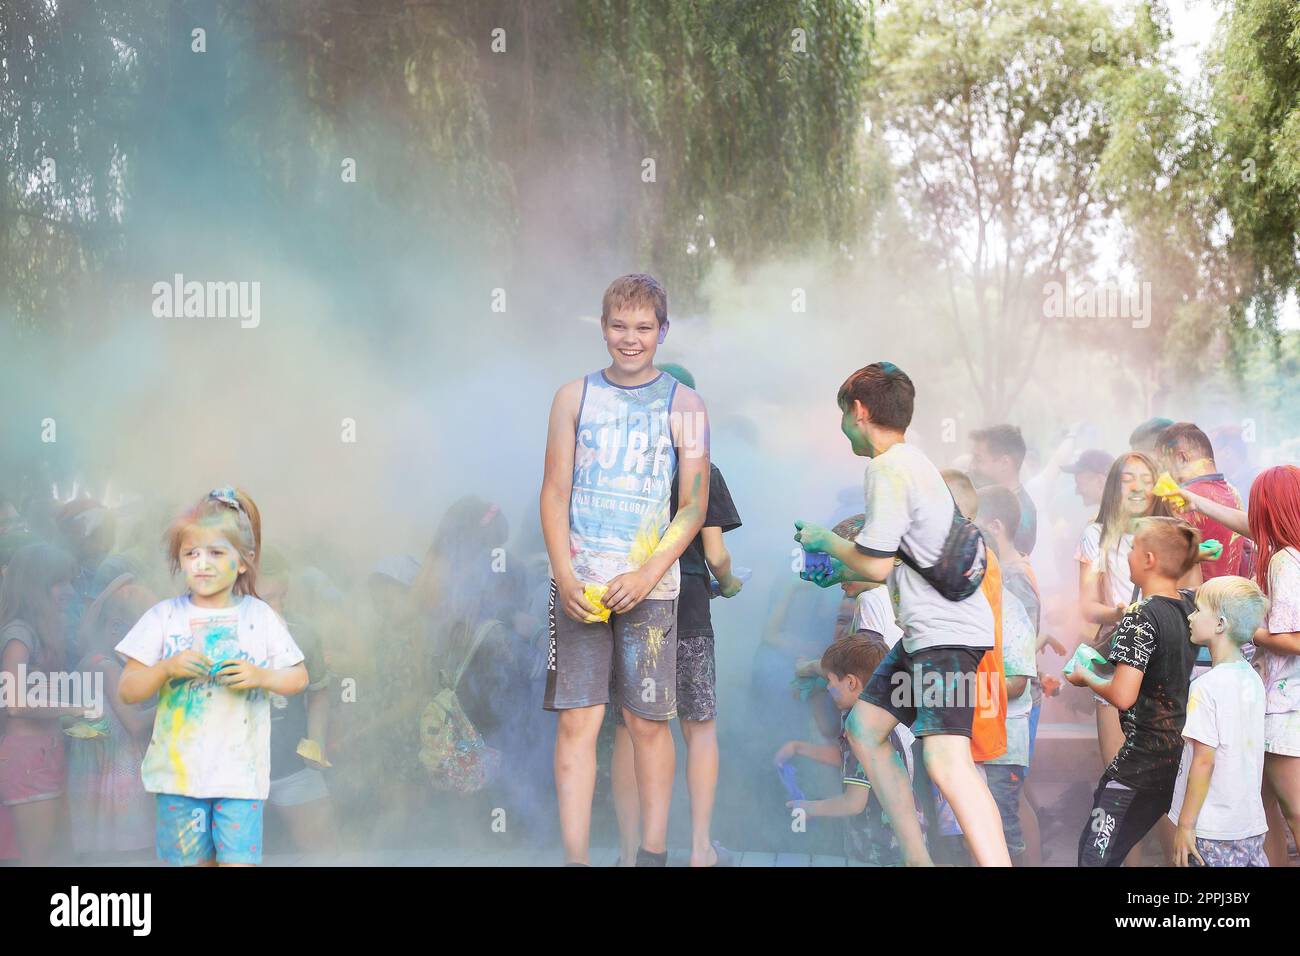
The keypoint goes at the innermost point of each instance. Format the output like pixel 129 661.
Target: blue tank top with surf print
pixel 624 466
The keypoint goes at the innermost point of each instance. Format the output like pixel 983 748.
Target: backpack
pixel 452 750
pixel 962 560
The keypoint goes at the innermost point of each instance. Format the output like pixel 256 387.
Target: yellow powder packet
pixel 310 750
pixel 1167 488
pixel 593 593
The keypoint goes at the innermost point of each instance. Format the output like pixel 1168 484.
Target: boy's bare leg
pixel 868 729
pixel 627 806
pixel 950 765
pixel 652 747
pixel 1275 841
pixel 702 784
pixel 575 777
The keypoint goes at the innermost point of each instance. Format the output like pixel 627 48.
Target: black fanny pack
pixel 962 561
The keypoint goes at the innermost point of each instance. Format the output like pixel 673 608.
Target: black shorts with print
pixel 697 676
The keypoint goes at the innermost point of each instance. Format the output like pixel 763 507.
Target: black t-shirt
pixel 1155 638
pixel 693 603
pixel 289 714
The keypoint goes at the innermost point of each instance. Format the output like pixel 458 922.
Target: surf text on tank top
pixel 624 466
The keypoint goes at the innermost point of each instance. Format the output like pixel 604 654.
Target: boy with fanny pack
pixel 946 619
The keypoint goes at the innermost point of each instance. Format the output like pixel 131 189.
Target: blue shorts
pixel 191 831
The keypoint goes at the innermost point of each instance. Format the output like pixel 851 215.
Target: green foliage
pixel 754 140
pixel 998 114
pixel 1256 104
pixel 750 109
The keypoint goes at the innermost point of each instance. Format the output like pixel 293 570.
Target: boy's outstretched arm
pixel 1120 690
pixel 823 753
pixel 848 804
pixel 1233 519
pixel 690 425
pixel 856 565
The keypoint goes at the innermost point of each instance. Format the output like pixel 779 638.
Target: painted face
pixel 855 433
pixel 1136 482
pixel 210 562
pixel 632 335
pixel 1205 624
pixel 843 690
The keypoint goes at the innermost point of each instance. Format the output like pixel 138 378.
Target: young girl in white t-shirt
pixel 212 655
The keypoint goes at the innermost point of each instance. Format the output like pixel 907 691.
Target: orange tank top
pixel 988 737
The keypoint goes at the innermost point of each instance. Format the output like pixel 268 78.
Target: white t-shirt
pixel 1018 658
pixel 1281 672
pixel 908 504
pixel 1117 588
pixel 876 613
pixel 1225 710
pixel 208 740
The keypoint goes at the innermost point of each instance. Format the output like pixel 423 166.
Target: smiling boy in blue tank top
pixel 618 439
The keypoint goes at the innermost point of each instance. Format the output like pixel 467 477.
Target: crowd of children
pixel 256 687
pixel 1187 643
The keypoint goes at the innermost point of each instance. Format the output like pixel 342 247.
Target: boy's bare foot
pixel 704 856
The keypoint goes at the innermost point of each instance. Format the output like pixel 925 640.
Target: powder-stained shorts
pixel 1282 734
pixel 1245 852
pixel 901 679
pixel 32 768
pixel 639 646
pixel 697 684
pixel 191 831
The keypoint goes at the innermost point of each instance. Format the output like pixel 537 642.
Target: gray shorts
pixel 697 683
pixel 639 646
pixel 305 786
